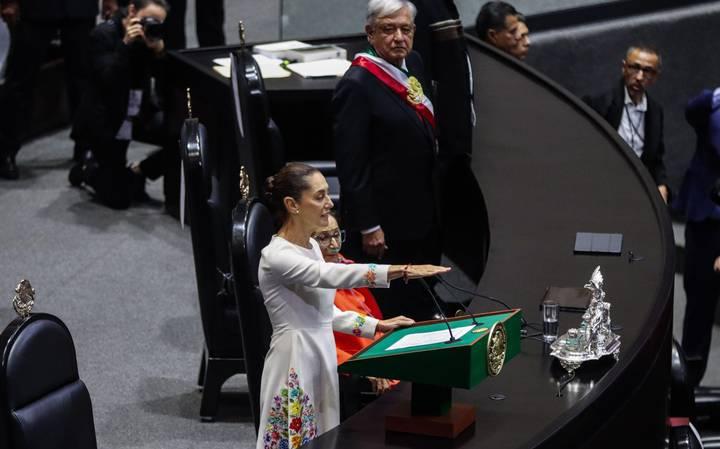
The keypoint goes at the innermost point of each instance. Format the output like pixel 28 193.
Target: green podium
pixel 424 355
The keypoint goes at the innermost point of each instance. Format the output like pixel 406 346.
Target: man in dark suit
pixel 634 114
pixel 385 149
pixel 701 278
pixel 33 24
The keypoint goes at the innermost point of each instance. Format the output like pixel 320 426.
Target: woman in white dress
pixel 299 398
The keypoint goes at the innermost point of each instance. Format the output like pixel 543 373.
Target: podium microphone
pixel 439 309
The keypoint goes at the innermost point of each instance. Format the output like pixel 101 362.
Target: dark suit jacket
pixel 385 157
pixel 610 105
pixel 115 69
pixel 57 10
pixel 704 171
pixel 445 61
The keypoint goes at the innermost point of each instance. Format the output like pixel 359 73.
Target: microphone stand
pixel 437 305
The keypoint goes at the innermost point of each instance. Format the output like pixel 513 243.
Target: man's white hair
pixel 384 8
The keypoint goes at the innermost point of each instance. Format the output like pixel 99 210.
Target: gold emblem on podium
pixel 415 91
pixel 24 298
pixel 496 349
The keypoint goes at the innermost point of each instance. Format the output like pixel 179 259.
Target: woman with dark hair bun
pixel 299 398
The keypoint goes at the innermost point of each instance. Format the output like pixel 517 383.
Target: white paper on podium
pixel 322 68
pixel 269 67
pixel 429 338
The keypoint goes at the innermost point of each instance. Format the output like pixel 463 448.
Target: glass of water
pixel 550 311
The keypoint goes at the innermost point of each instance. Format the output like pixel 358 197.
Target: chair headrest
pixel 194 148
pixel 39 357
pixel 260 229
pixel 253 227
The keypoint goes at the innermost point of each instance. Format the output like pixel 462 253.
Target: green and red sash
pixel 406 87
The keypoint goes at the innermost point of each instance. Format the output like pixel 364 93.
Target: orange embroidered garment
pixel 358 300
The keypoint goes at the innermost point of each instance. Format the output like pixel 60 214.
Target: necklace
pixel 634 131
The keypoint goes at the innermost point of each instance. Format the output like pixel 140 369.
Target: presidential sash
pixel 407 87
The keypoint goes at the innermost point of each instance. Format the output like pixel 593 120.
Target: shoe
pixel 137 188
pixel 76 175
pixel 8 169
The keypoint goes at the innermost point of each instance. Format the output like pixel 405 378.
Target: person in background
pixel 299 398
pixel 385 148
pixel 699 200
pixel 637 117
pixel 33 25
pixel 209 19
pixel 522 37
pixel 358 300
pixel 502 26
pixel 117 106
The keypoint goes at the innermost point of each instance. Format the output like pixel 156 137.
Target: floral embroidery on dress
pixel 357 325
pixel 371 275
pixel 292 418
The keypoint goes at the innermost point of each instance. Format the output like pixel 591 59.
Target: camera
pixel 152 27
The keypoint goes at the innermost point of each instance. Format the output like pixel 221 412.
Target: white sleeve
pixel 294 268
pixel 353 323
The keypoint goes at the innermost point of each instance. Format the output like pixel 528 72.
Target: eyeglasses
pixel 324 238
pixel 390 30
pixel 635 68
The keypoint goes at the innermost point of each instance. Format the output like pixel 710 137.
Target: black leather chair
pixel 262 148
pixel 209 212
pixel 44 404
pixel 682 405
pixel 253 227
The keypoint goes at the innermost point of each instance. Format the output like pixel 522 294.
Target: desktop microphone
pixel 439 309
pixel 477 295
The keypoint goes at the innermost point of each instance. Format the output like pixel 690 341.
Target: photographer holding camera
pixel 698 200
pixel 117 107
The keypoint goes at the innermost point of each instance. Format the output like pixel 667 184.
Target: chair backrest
pixel 682 392
pixel 253 227
pixel 262 147
pixel 210 231
pixel 45 405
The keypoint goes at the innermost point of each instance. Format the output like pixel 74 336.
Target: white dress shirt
pixel 632 123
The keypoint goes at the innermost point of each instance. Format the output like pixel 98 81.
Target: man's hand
pixel 374 243
pixel 379 385
pixel 134 31
pixel 10 12
pixel 716 266
pixel 664 192
pixel 108 8
pixel 393 323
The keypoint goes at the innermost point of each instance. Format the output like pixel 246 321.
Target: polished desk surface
pixel 549 167
pixel 201 59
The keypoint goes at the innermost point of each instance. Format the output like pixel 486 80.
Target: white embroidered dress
pixel 299 396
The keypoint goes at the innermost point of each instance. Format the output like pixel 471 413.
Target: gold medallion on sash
pixel 415 91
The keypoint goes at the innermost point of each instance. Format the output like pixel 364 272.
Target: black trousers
pixel 209 18
pixel 30 42
pixel 113 182
pixel 411 299
pixel 702 288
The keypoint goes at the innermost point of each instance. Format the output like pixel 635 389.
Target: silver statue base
pixel 594 338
